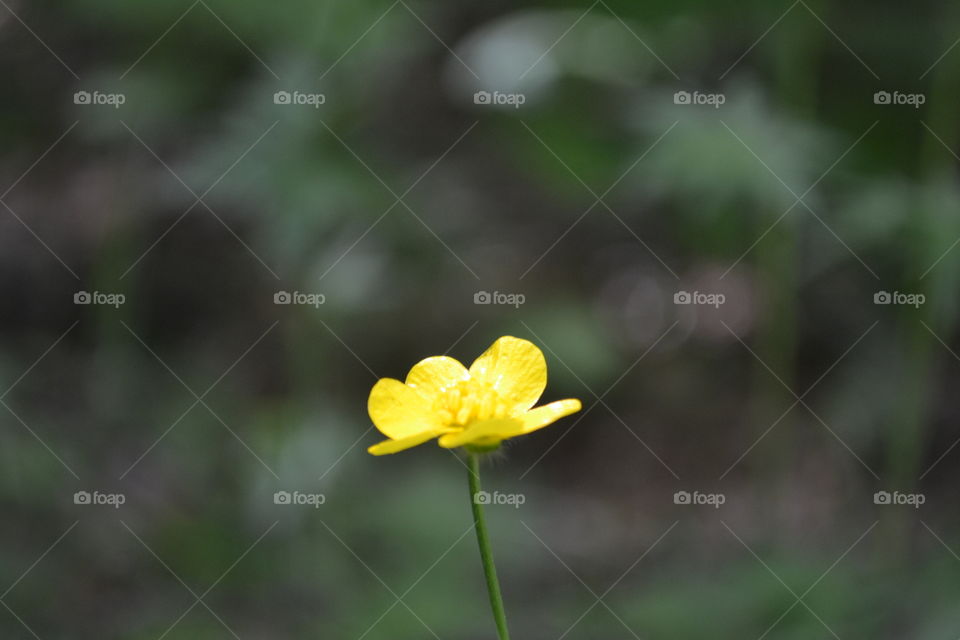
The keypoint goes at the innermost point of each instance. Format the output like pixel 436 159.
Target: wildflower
pixel 476 408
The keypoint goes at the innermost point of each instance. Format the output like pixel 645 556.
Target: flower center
pixel 469 401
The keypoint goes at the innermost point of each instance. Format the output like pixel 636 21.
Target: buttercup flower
pixel 477 407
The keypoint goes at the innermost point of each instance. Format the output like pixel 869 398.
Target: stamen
pixel 469 401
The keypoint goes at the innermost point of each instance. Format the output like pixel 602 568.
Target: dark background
pixel 398 199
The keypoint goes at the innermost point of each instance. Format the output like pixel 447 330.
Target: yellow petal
pixel 398 411
pixel 484 432
pixel 516 369
pixel 432 376
pixel 393 446
pixel 491 432
pixel 548 414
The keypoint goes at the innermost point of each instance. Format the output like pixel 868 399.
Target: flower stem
pixel 486 554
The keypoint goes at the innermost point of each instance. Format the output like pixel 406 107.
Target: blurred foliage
pixel 398 199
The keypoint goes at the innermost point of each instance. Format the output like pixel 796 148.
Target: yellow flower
pixel 477 407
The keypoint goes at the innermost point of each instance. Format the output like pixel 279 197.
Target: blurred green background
pixel 601 197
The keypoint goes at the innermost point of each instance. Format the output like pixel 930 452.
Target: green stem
pixel 486 554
